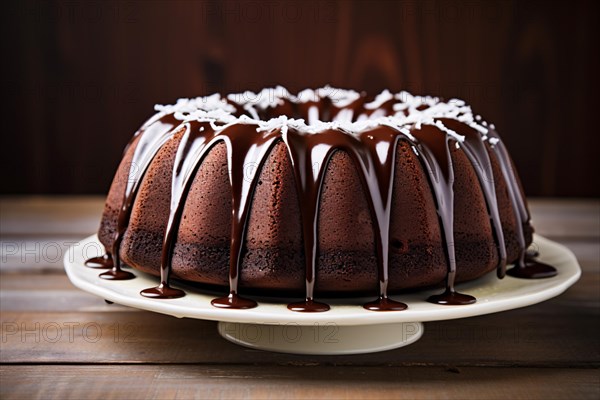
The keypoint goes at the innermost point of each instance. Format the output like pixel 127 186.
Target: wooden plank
pixel 554 333
pixel 566 218
pixel 71 300
pixel 36 231
pixel 587 252
pixel 35 281
pixel 200 382
pixel 50 215
pixel 35 253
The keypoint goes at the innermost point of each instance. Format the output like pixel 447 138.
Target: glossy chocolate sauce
pixel 477 154
pixel 309 162
pixel 103 262
pixel 435 156
pixel 151 137
pixel 531 254
pixel 245 146
pixel 378 164
pixel 188 152
pixel 349 112
pixel 372 150
pixel 524 268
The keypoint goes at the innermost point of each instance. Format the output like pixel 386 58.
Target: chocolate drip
pixel 190 151
pixel 151 137
pixel 116 274
pixel 476 152
pixel 373 152
pixel 530 254
pixel 384 109
pixel 310 155
pixel 284 107
pixel 435 155
pixel 378 165
pixel 532 269
pixel 314 110
pixel 524 268
pixel 348 113
pixel 309 305
pixel 246 146
pixel 103 262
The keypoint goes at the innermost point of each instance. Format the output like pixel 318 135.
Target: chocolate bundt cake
pixel 328 192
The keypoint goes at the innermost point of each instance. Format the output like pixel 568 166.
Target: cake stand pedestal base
pixel 322 338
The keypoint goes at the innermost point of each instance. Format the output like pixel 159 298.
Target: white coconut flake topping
pixel 280 122
pixel 206 103
pixel 268 97
pixel 380 99
pixel 339 97
pixel 308 95
pixel 410 111
pixel 450 132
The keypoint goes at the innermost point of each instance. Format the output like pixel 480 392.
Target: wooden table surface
pixel 60 342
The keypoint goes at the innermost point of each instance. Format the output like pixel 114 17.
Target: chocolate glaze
pixel 531 254
pixel 522 269
pixel 373 152
pixel 309 305
pixel 151 137
pixel 189 152
pixel 384 303
pixel 435 155
pixel 309 161
pixel 162 291
pixel 477 153
pixel 378 164
pixel 245 146
pixel 348 113
pixel 103 262
pixel 532 270
pixel 233 300
pixel 385 109
pixel 116 274
pixel 451 298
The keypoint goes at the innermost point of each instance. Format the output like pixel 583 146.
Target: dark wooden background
pixel 79 77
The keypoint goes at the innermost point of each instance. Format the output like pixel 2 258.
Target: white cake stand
pixel 347 328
